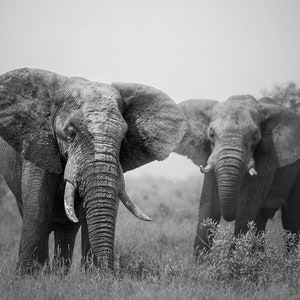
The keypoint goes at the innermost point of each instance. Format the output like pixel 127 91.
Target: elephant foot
pixel 200 254
pixel 291 242
pixel 90 266
pixel 33 268
pixel 61 266
pixel 204 239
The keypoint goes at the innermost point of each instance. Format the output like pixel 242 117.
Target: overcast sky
pixel 189 49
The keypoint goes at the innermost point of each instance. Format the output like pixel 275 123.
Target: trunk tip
pixel 229 217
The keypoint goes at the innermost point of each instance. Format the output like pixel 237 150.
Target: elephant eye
pixel 211 135
pixel 70 133
pixel 255 138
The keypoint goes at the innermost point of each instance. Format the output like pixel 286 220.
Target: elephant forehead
pixel 103 105
pixel 104 115
pixel 84 92
pixel 238 109
pixel 89 104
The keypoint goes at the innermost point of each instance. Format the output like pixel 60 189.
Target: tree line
pixel 287 94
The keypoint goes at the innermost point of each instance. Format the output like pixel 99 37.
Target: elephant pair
pixel 249 153
pixel 65 145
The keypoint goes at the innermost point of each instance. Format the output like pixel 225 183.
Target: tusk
pixel 132 207
pixel 69 202
pixel 252 172
pixel 207 169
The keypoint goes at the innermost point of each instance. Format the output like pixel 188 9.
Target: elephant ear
pixel 195 143
pixel 25 115
pixel 155 125
pixel 280 132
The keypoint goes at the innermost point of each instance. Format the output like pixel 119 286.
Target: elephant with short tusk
pixel 66 142
pixel 249 153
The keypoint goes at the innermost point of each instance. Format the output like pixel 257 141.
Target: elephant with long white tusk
pixel 65 144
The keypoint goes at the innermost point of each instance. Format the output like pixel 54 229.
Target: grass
pixel 154 260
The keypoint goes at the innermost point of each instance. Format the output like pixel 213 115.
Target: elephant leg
pixel 11 169
pixel 253 195
pixel 261 222
pixel 290 217
pixel 209 209
pixel 64 239
pixel 64 230
pixel 262 218
pixel 37 210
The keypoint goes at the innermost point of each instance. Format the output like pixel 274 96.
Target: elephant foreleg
pixel 261 222
pixel 64 237
pixel 290 217
pixel 37 209
pixel 263 216
pixel 252 197
pixel 209 209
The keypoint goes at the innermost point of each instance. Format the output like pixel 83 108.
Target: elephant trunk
pixel 99 183
pixel 99 180
pixel 229 170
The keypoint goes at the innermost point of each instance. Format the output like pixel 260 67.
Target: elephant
pixel 249 153
pixel 66 142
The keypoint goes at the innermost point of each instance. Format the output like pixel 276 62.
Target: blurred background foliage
pixel 287 94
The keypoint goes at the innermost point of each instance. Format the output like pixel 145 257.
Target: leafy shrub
pixel 250 258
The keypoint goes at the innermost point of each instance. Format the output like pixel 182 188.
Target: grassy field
pixel 154 260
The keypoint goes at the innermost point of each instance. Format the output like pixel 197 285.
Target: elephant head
pixel 239 139
pixel 90 133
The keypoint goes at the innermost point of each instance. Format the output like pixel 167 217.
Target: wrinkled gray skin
pixel 233 140
pixel 70 139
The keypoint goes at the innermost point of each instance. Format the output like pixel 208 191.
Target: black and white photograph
pixel 149 149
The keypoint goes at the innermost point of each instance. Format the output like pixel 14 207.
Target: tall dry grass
pixel 154 260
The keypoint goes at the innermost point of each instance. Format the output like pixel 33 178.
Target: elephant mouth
pixel 69 197
pixel 210 166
